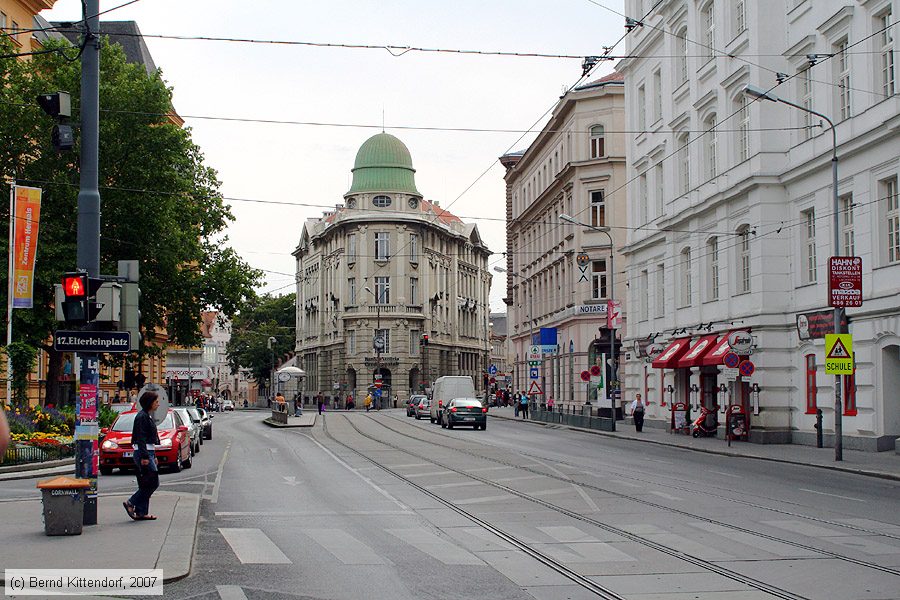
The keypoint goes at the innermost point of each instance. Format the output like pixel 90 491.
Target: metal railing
pixel 21 454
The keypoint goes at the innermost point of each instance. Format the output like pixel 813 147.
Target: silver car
pixel 423 408
pixel 194 431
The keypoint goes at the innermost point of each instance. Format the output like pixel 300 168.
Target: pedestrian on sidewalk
pixel 515 400
pixel 368 401
pixel 298 406
pixel 523 406
pixel 637 411
pixel 144 438
pixel 550 404
pixel 4 433
pixel 320 401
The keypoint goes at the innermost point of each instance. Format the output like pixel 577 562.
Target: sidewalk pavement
pixel 116 542
pixel 33 470
pixel 885 465
pixel 307 419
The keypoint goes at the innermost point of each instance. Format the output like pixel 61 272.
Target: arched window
pixel 711 158
pixel 381 201
pixel 597 141
pixel 743 259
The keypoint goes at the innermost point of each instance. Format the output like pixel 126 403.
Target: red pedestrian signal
pixel 424 340
pixel 75 285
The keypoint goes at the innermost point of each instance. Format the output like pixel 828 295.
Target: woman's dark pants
pixel 148 481
pixel 638 421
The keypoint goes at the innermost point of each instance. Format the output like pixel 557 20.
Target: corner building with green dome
pixel 378 274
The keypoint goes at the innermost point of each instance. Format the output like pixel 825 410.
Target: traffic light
pixel 72 298
pixel 425 339
pixel 59 106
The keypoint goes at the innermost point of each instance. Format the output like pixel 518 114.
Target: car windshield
pixel 467 403
pixel 125 422
pixel 195 414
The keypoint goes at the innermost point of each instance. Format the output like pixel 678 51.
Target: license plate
pixel 468 418
pixel 128 454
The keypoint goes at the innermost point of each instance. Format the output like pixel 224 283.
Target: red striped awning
pixel 693 356
pixel 673 352
pixel 718 351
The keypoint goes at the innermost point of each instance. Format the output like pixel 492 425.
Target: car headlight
pixel 109 445
pixel 166 443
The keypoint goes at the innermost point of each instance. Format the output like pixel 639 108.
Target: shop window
pixel 811 388
pixel 850 394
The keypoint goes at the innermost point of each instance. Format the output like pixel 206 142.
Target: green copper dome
pixel 383 164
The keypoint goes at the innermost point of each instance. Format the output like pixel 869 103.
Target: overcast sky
pixel 305 164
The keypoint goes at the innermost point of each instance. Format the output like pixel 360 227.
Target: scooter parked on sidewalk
pixel 705 425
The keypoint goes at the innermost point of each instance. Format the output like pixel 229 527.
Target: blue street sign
pixel 492 370
pixel 378 392
pixel 533 373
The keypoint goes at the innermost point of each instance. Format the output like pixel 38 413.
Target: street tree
pixel 267 316
pixel 161 204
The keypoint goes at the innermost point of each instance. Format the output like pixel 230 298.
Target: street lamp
pixel 762 94
pixel 612 296
pixel 377 341
pixel 530 305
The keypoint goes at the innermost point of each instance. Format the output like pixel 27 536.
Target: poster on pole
pixel 27 217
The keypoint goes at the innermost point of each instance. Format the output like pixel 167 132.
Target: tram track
pixel 557 566
pixel 670 486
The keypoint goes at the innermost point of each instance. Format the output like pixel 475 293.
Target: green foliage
pixel 266 317
pixel 161 204
pixel 21 357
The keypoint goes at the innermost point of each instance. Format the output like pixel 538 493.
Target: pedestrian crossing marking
pixel 252 546
pixel 436 547
pixel 345 547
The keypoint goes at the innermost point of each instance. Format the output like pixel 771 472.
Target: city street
pixel 379 505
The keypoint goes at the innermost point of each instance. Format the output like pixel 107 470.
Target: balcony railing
pixel 372 309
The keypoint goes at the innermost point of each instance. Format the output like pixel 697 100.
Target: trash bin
pixel 63 504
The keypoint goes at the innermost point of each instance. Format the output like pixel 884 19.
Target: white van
pixel 447 388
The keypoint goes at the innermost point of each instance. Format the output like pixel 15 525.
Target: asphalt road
pixel 379 505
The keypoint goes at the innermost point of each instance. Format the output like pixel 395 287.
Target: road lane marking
pixel 581 492
pixel 356 472
pixel 429 474
pixel 666 496
pixel 727 474
pixel 452 485
pixel 345 547
pixel 832 495
pixel 408 465
pixel 231 592
pixel 434 546
pixel 252 546
pixel 483 469
pixel 214 497
pixel 484 499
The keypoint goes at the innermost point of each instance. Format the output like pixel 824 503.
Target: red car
pixel 174 449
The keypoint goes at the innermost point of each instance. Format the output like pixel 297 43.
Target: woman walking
pixel 144 438
pixel 637 411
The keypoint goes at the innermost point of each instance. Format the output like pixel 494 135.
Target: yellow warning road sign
pixel 839 354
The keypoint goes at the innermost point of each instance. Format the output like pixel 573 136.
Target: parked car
pixel 423 408
pixel 447 388
pixel 465 411
pixel 227 405
pixel 194 428
pixel 206 423
pixel 412 403
pixel 174 449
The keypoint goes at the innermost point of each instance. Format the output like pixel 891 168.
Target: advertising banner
pixel 27 217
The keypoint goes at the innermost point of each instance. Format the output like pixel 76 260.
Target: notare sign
pixel 92 341
pixel 845 279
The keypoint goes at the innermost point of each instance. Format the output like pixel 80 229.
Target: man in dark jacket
pixel 144 438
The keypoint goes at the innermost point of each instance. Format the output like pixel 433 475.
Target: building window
pixel 381 201
pixel 351 247
pixel 14 36
pixel 2 20
pixel 708 27
pixel 848 240
pixel 740 17
pixel 414 339
pixel 743 128
pixel 382 290
pixel 889 194
pixel 643 208
pixel 743 270
pixel 351 343
pixel 641 108
pixel 657 95
pixel 643 301
pixel 351 291
pixel 811 389
pixel 661 291
pixel 887 52
pixel 413 247
pixel 711 146
pixel 598 280
pixel 850 394
pixel 598 208
pixel 684 164
pixel 598 147
pixel 382 245
pixel 712 257
pixel 842 77
pixel 413 290
pixel 660 190
pixel 681 53
pixel 685 270
pixel 384 334
pixel 808 234
pixel 804 92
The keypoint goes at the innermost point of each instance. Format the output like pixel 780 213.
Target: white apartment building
pixel 731 209
pixel 390 266
pixel 574 167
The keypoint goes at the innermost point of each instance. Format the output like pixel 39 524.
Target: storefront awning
pixel 718 351
pixel 700 347
pixel 673 352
